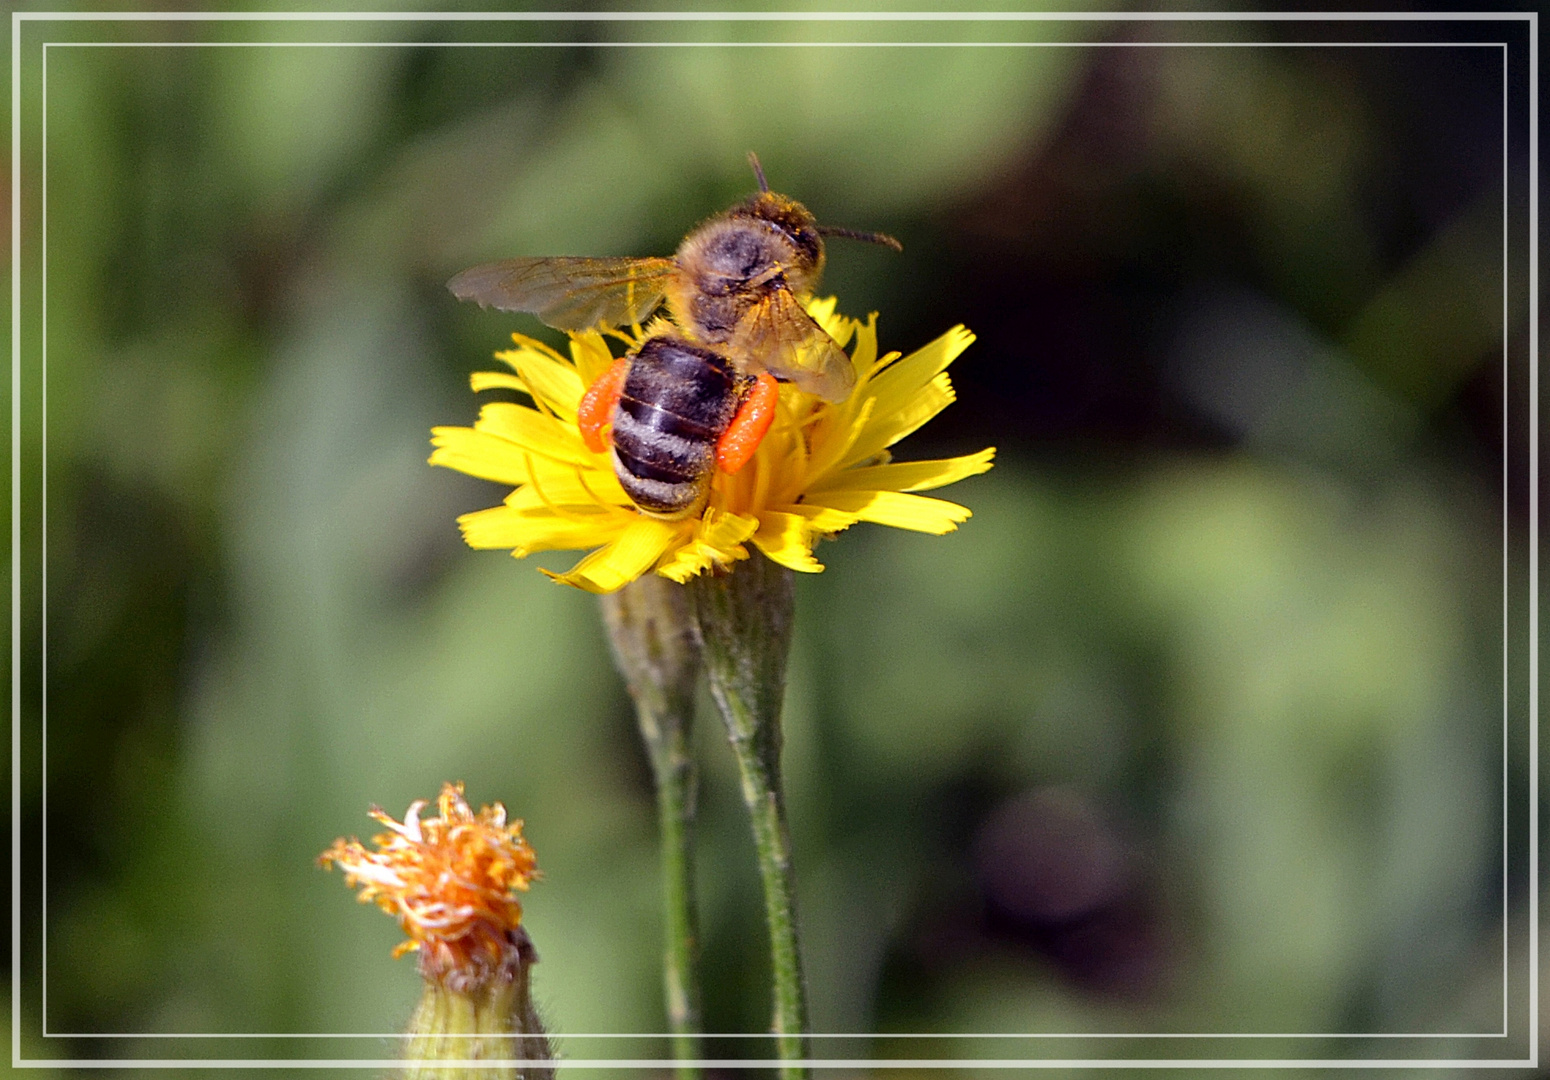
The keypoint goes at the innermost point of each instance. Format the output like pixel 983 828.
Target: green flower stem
pixel 483 1021
pixel 655 645
pixel 745 621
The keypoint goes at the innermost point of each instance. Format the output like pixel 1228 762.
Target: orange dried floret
pixel 449 880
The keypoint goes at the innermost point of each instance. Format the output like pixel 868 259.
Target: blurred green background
pixel 1195 727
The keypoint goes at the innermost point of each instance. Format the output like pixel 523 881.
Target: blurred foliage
pixel 1194 727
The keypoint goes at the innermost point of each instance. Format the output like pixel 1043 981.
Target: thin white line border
pixel 18 18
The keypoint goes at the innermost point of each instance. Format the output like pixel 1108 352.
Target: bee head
pixel 791 218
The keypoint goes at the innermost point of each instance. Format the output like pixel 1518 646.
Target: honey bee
pixel 699 393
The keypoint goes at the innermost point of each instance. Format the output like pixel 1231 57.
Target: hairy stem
pixel 745 621
pixel 651 628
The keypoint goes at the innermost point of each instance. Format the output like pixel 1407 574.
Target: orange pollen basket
pixel 749 425
pixel 450 881
pixel 596 412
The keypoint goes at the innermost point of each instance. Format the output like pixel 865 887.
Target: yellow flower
pixel 821 468
pixel 449 880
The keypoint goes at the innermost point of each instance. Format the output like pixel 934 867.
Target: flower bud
pixel 451 882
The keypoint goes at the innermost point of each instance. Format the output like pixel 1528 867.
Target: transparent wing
pixel 569 293
pixel 778 335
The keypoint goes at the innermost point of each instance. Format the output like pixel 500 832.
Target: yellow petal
pixel 881 432
pixel 837 326
pixel 787 539
pixel 897 509
pixel 864 355
pixel 908 475
pixel 685 564
pixel 525 342
pixel 898 383
pixel 825 520
pixel 822 308
pixel 478 453
pixel 535 432
pixel 719 529
pixel 568 486
pixel 835 442
pixel 493 380
pixel 717 541
pixel 547 378
pixel 525 533
pixel 589 352
pixel 623 560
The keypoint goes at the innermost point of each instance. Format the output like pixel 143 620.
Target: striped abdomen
pixel 678 399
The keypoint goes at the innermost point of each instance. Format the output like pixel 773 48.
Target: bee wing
pixel 569 293
pixel 779 334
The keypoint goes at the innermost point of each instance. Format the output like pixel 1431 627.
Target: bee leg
pixel 596 411
pixel 746 431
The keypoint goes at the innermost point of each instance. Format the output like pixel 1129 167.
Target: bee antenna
pixel 867 237
pixel 758 170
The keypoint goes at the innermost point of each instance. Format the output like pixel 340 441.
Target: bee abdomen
pixel 677 400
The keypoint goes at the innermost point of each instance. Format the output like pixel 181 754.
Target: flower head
pixel 821 468
pixel 450 881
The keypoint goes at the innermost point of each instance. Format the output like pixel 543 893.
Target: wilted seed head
pixel 451 883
